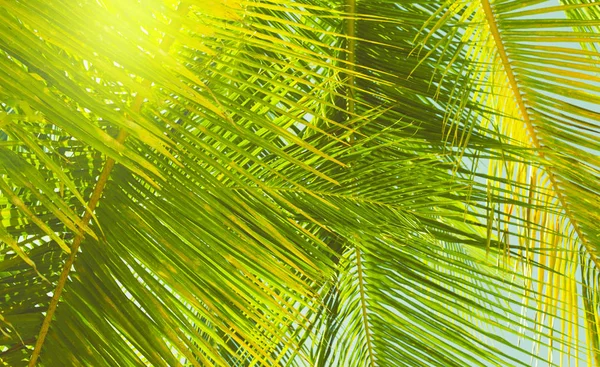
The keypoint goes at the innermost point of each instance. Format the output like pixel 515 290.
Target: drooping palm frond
pixel 296 183
pixel 538 67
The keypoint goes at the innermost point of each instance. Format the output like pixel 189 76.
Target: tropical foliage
pixel 299 183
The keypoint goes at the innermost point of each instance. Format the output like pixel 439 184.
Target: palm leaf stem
pixel 588 303
pixel 95 198
pixel 363 304
pixel 491 18
pixel 351 49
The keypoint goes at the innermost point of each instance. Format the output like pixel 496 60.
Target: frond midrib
pixel 95 198
pixel 514 86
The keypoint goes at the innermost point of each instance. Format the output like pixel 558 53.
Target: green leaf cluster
pixel 299 183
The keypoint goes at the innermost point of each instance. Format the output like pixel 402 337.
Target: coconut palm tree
pixel 299 183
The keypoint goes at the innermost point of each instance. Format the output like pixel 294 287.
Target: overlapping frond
pixel 536 65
